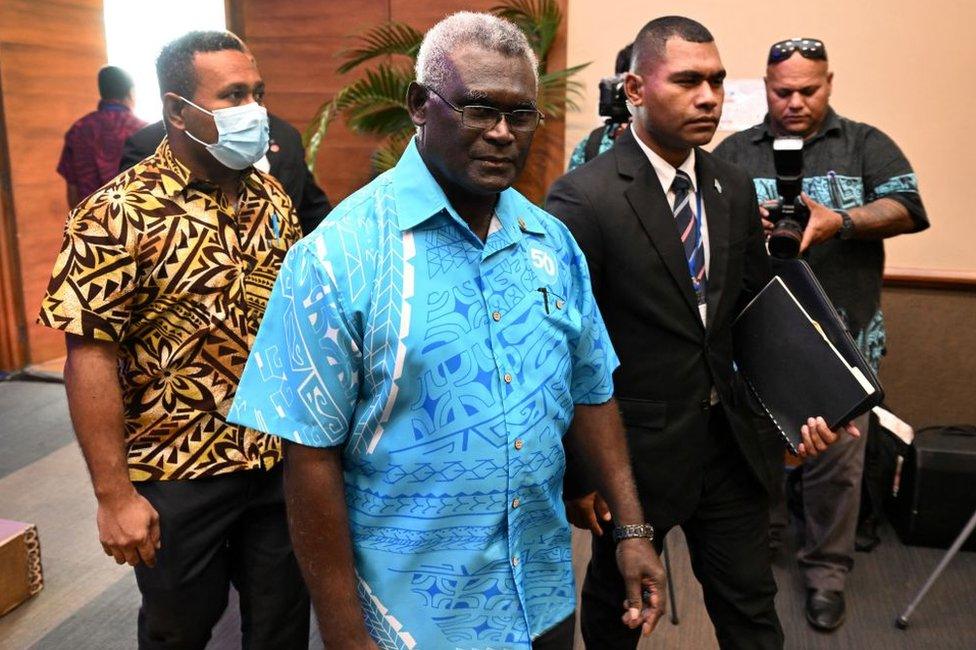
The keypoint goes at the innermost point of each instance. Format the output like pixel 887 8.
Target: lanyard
pixel 698 286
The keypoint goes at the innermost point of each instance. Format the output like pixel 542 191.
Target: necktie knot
pixel 681 182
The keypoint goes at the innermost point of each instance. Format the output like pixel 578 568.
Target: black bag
pixel 884 456
pixel 933 495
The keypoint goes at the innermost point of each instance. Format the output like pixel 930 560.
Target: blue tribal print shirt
pixel 447 368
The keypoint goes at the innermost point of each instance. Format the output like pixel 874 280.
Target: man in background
pixel 861 190
pixel 93 144
pixel 160 286
pixel 601 138
pixel 285 161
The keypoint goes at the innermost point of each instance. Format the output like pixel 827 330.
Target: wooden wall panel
pixel 13 333
pixel 50 52
pixel 929 370
pixel 297 43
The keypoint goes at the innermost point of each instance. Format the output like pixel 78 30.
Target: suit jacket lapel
pixel 647 199
pixel 717 222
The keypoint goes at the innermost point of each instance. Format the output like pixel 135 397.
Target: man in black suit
pixel 286 160
pixel 669 283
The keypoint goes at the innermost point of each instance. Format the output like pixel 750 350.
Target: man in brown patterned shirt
pixel 160 285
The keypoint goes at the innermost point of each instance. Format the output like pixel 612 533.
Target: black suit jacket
pixel 286 157
pixel 616 209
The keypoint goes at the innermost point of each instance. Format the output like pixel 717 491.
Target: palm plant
pixel 376 103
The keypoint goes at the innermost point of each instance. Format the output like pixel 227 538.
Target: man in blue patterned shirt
pixel 428 347
pixel 861 190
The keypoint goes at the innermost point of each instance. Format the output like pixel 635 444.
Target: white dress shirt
pixel 666 173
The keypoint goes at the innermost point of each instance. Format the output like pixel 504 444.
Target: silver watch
pixel 633 530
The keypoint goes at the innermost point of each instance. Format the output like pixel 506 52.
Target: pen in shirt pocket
pixel 834 188
pixel 558 301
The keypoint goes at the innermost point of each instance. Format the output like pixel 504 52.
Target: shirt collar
pixel 419 197
pixel 176 177
pixel 112 105
pixel 666 171
pixel 765 130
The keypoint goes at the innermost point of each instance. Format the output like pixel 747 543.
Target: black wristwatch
pixel 846 225
pixel 645 531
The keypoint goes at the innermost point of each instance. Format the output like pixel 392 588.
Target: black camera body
pixel 789 213
pixel 613 100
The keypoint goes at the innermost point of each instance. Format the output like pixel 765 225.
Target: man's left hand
pixel 643 575
pixel 823 225
pixel 817 436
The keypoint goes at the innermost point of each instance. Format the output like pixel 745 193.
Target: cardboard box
pixel 20 564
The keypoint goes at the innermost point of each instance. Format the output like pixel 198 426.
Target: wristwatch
pixel 633 530
pixel 846 225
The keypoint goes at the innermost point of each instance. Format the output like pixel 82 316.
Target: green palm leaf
pixel 387 155
pixel 317 128
pixel 377 103
pixel 538 19
pixel 557 92
pixel 391 38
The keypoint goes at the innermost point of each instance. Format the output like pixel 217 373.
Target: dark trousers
pixel 728 544
pixel 561 637
pixel 217 531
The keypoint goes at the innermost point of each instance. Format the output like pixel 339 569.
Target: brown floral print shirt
pixel 164 266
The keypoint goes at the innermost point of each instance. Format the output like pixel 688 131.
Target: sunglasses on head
pixel 809 48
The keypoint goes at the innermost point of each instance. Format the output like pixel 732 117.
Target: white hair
pixel 469 28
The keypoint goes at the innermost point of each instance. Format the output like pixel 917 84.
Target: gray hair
pixel 469 28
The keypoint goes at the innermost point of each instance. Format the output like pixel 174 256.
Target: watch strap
pixel 629 531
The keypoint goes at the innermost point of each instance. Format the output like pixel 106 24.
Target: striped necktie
pixel 690 230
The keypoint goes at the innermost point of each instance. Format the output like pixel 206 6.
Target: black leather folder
pixel 798 357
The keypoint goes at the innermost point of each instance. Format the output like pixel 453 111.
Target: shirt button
pixel 515 561
pixel 705 403
pixel 559 304
pixel 521 223
pixel 516 503
pixel 507 378
pixel 496 316
pixel 519 444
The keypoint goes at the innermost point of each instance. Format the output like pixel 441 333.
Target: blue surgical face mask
pixel 242 134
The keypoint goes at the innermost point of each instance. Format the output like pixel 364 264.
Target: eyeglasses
pixel 484 118
pixel 809 48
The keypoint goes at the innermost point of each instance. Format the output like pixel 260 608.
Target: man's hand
pixel 823 225
pixel 128 528
pixel 587 512
pixel 644 582
pixel 817 436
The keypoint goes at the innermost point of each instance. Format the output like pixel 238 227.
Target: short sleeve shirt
pixel 93 146
pixel 162 265
pixel 447 368
pixel 846 165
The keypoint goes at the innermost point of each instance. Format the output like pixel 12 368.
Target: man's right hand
pixel 587 512
pixel 128 528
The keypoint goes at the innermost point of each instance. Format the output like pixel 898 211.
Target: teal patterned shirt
pixel 447 368
pixel 846 165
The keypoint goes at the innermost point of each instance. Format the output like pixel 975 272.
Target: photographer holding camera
pixel 613 106
pixel 858 189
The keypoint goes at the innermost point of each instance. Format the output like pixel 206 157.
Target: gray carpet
pixel 33 422
pixel 89 602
